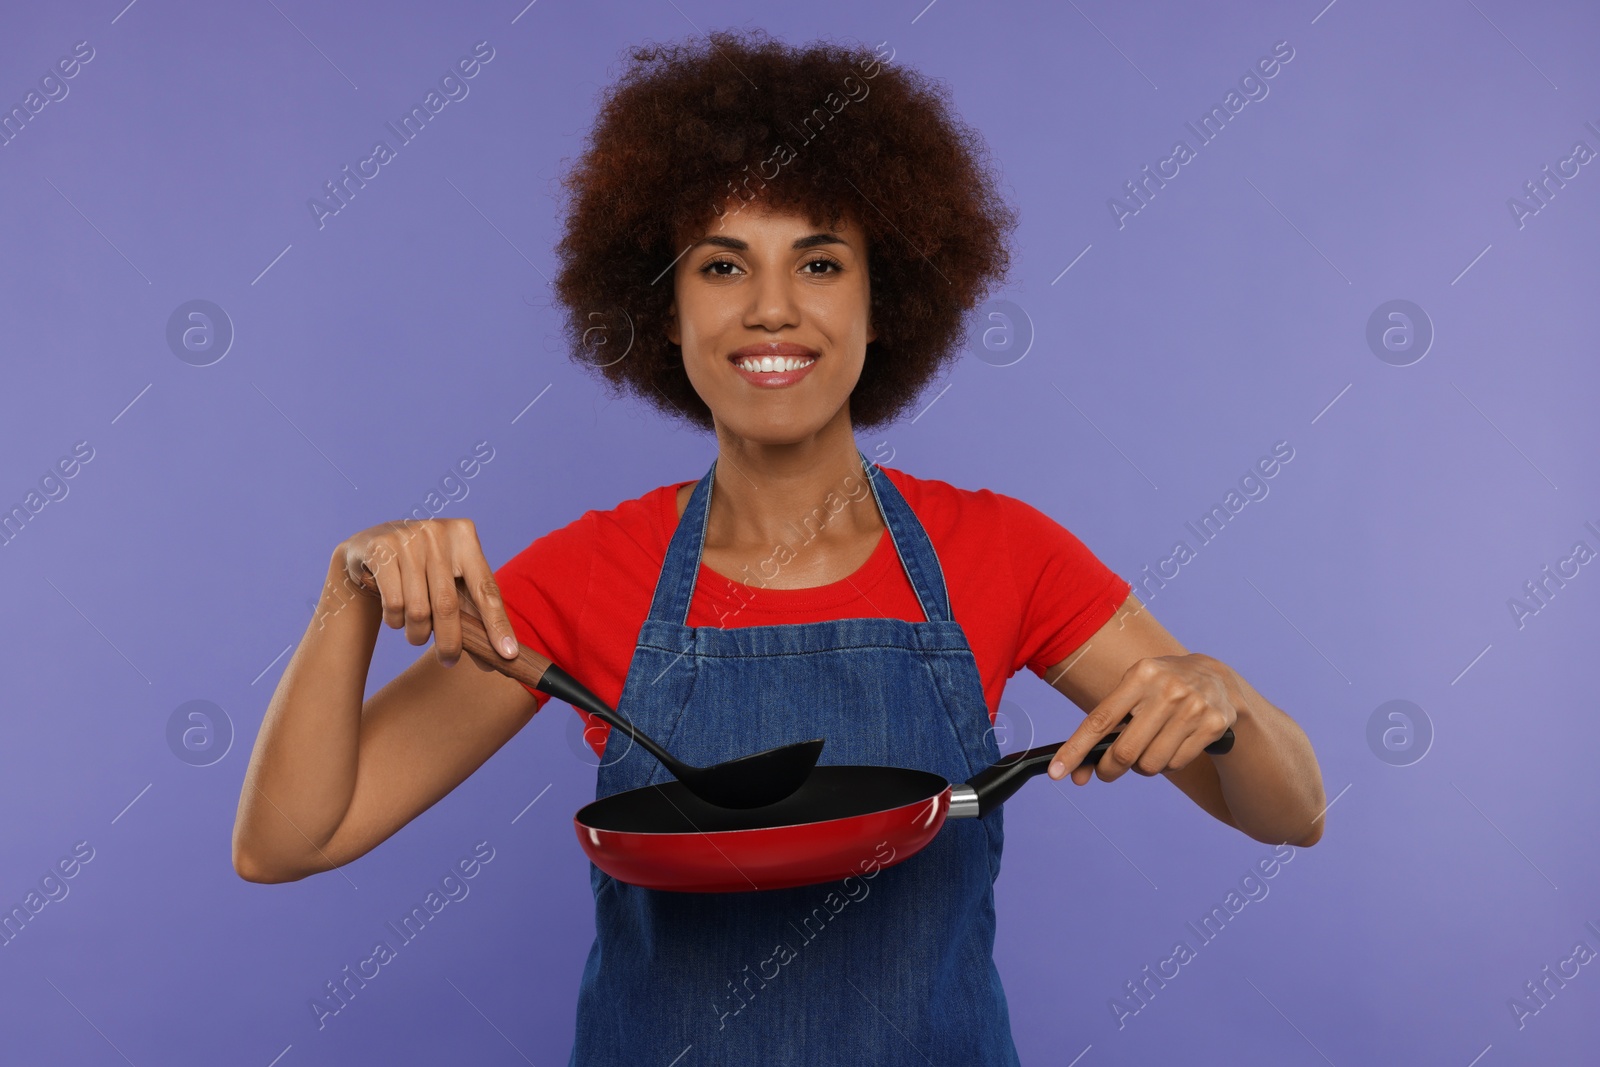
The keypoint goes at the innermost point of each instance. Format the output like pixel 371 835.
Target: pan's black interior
pixel 831 792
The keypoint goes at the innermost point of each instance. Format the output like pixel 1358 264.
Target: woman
pixel 795 590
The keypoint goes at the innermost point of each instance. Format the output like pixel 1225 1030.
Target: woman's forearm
pixel 1271 779
pixel 302 771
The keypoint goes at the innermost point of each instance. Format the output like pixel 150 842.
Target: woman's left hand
pixel 1178 704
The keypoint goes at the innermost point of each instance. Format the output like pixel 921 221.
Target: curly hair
pixel 823 130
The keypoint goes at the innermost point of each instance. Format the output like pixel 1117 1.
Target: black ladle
pixel 746 782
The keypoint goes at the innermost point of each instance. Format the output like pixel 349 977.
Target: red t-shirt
pixel 1024 589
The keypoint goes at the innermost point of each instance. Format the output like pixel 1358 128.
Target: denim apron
pixel 893 966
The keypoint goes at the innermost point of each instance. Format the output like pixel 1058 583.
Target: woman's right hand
pixel 412 567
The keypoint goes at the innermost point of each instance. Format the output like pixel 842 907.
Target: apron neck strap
pixel 675 586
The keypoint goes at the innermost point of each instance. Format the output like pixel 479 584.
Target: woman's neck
pixel 763 493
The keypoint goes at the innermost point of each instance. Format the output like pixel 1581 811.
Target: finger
pixel 1191 747
pixel 1081 775
pixel 1163 748
pixel 384 567
pixel 501 633
pixel 484 592
pixel 1101 720
pixel 445 603
pixel 1149 716
pixel 1106 717
pixel 414 588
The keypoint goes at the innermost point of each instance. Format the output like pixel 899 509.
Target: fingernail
pixel 1057 769
pixel 508 646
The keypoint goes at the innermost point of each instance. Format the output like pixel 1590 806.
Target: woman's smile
pixel 773 365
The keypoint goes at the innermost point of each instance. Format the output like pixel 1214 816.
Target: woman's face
pixel 757 279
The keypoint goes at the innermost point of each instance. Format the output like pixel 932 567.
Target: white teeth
pixel 773 364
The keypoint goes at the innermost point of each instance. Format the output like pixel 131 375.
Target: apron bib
pixel 893 966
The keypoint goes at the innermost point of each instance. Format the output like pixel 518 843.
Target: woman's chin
pixel 775 428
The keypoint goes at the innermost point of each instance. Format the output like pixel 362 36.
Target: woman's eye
pixel 710 268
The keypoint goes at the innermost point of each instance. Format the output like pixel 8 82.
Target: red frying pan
pixel 664 837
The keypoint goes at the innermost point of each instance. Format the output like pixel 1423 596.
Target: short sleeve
pixel 544 588
pixel 1065 591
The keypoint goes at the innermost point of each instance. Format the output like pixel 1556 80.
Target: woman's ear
pixel 672 324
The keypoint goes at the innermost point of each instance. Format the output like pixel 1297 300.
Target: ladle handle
pixel 994 785
pixel 533 669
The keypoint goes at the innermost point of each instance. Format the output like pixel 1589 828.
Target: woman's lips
pixel 775 379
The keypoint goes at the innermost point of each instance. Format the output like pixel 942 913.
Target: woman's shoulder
pixel 946 504
pixel 988 520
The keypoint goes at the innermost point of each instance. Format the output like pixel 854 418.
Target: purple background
pixel 1228 315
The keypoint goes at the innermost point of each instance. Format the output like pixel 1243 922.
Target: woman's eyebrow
pixel 804 242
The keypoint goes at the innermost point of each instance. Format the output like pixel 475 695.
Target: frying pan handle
pixel 994 785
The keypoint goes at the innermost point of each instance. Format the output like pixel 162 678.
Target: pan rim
pixel 584 827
